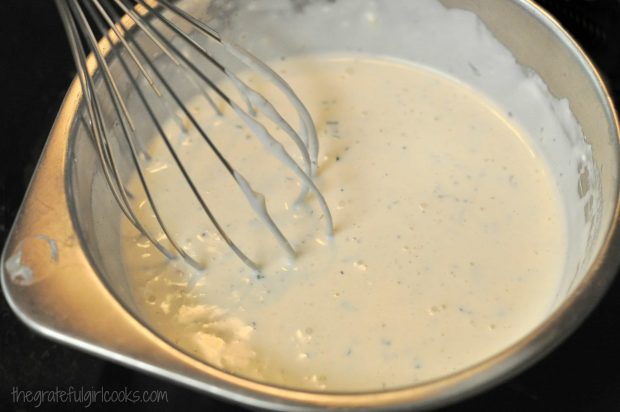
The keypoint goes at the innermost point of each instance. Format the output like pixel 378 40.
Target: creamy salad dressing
pixel 454 41
pixel 449 243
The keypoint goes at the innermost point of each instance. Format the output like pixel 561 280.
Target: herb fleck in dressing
pixel 449 235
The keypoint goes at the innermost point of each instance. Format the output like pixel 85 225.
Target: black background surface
pixel 583 374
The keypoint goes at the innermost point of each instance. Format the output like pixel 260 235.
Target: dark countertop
pixel 583 374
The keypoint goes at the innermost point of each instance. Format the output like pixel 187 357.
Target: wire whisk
pixel 79 17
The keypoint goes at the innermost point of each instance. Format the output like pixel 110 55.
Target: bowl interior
pixel 587 181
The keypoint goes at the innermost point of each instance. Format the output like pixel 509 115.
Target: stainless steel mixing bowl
pixel 63 276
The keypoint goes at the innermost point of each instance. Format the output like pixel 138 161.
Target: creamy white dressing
pixel 450 40
pixel 449 243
